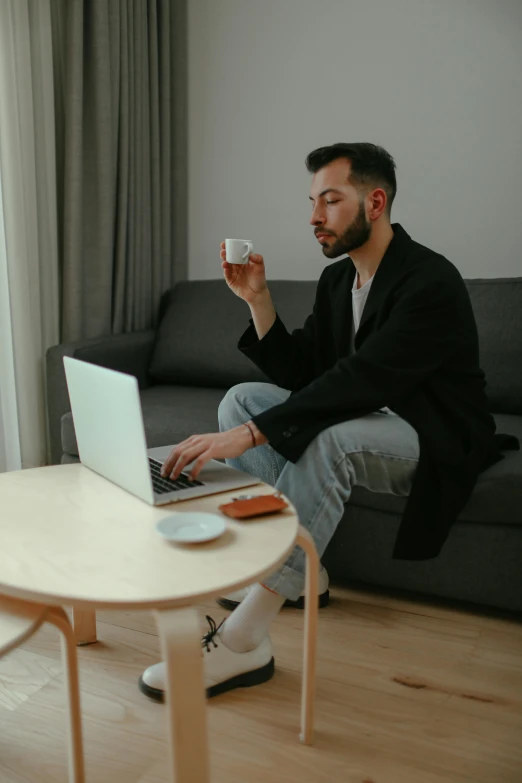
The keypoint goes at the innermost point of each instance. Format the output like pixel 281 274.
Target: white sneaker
pixel 231 600
pixel 224 668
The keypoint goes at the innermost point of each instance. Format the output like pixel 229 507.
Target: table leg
pixel 59 618
pixel 84 621
pixel 306 542
pixel 180 637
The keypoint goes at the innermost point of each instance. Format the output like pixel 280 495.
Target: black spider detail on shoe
pixel 208 638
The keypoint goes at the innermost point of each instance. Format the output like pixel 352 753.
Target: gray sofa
pixel 185 367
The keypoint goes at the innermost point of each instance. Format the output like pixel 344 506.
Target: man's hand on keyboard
pixel 214 445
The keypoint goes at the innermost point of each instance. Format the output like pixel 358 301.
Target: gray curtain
pixel 121 127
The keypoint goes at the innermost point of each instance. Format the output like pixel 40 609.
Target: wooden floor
pixel 408 691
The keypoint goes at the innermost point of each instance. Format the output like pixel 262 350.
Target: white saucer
pixel 191 527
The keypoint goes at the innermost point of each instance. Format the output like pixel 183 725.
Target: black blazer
pixel 417 352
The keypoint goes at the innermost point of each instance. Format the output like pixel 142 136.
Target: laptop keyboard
pixel 162 485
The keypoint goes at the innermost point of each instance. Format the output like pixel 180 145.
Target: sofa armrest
pixel 130 353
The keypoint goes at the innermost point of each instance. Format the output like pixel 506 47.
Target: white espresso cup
pixel 238 250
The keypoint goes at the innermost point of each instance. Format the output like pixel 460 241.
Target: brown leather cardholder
pixel 253 507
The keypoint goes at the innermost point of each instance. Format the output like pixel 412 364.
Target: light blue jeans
pixel 378 451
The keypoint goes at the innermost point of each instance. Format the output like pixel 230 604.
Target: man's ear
pixel 376 200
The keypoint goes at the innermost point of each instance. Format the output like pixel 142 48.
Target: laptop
pixel 108 421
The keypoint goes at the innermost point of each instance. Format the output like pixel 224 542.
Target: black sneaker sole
pixel 324 600
pixel 245 680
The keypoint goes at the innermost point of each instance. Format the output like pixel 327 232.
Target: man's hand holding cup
pixel 243 270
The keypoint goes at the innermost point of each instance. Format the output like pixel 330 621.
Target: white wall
pixel 436 82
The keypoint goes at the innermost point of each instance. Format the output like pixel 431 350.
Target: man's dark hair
pixel 370 166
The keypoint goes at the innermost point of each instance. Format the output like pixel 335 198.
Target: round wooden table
pixel 71 538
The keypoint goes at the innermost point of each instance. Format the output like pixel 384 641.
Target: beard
pixel 357 233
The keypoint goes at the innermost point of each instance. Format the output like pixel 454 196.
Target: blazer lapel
pixel 342 313
pixel 384 276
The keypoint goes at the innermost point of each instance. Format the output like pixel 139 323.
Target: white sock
pixel 246 627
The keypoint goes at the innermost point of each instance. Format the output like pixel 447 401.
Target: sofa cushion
pixel 201 324
pixel 170 414
pixel 497 497
pixel 497 305
pixel 174 413
pixel 194 310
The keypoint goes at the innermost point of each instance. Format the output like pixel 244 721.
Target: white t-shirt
pixel 359 296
